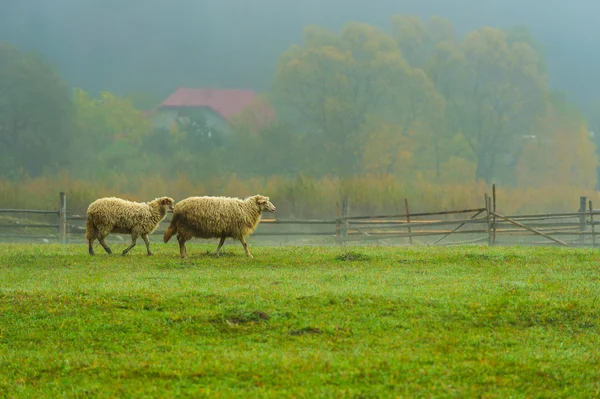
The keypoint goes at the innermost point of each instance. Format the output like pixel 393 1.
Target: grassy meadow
pixel 299 322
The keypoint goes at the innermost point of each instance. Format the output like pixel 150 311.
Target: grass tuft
pixel 238 316
pixel 306 330
pixel 351 256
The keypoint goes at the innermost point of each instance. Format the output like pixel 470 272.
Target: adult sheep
pixel 116 215
pixel 217 217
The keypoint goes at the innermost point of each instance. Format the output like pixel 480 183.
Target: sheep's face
pixel 264 204
pixel 167 203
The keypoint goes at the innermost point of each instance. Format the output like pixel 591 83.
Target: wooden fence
pixel 483 225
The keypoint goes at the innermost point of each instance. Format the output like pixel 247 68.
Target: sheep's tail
pixel 171 231
pixel 90 229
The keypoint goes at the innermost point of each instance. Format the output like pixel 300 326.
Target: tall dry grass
pixel 299 197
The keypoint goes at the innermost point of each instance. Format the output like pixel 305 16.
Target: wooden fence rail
pixel 29 211
pixel 430 228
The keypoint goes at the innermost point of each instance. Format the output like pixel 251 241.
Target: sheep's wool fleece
pixel 214 217
pixel 116 215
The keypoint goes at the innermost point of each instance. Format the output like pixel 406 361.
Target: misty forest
pixel 304 103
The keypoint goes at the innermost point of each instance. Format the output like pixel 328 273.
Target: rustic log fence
pixel 452 227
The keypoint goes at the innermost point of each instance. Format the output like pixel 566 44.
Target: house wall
pixel 166 117
pixel 214 119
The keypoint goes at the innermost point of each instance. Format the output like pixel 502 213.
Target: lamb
pixel 217 217
pixel 116 215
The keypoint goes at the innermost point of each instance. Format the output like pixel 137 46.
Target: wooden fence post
pixel 410 238
pixel 593 228
pixel 345 215
pixel 582 210
pixel 337 221
pixel 62 218
pixel 488 217
pixel 494 214
pixel 490 223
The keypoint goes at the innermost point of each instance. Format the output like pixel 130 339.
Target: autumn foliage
pixel 419 101
pixel 413 111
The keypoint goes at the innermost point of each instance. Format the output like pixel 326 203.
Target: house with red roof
pixel 218 107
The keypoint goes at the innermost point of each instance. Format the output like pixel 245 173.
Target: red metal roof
pixel 226 102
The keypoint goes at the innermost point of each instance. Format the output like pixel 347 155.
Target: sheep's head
pixel 264 204
pixel 166 202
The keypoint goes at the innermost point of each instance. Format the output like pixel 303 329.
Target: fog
pixel 152 45
pixel 144 50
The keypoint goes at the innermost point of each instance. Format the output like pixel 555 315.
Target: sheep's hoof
pixel 124 253
pixel 150 254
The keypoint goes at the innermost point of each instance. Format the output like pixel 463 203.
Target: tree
pixel 593 122
pixel 275 149
pixel 418 41
pixel 561 153
pixel 494 91
pixel 522 34
pixel 109 118
pixel 110 133
pixel 35 114
pixel 331 84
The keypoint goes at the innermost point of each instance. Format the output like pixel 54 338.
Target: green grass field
pixel 299 322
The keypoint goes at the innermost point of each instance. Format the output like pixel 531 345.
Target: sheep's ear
pixel 261 200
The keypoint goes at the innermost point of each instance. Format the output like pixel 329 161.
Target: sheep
pixel 217 217
pixel 116 215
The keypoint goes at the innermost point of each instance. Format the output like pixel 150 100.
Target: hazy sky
pixel 156 45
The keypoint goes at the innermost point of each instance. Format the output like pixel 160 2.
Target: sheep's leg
pixel 104 245
pixel 220 245
pixel 245 244
pixel 145 238
pixel 133 241
pixel 182 249
pixel 91 246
